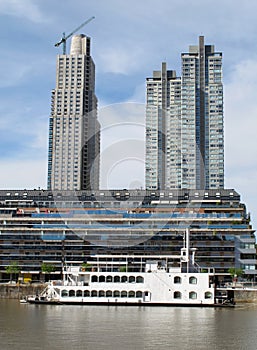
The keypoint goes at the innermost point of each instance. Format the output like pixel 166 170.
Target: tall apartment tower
pixel 184 123
pixel 74 131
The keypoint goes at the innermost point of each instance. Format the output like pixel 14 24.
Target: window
pixel 177 295
pixel 139 279
pixel 193 280
pixel 94 279
pixel 108 293
pixel 124 279
pixel 109 279
pixel 208 295
pixel 131 294
pixel 65 293
pixel 124 294
pixel 192 295
pixel 72 293
pixel 79 293
pixel 101 279
pixel 177 280
pixel 101 293
pixel 86 293
pixel 116 279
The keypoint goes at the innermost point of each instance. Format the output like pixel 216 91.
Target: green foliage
pixel 13 268
pixel 122 269
pixel 235 271
pixel 86 267
pixel 47 268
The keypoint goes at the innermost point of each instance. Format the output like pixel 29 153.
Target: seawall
pixel 8 291
pixel 245 296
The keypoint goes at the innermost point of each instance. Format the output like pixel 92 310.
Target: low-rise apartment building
pixel 65 228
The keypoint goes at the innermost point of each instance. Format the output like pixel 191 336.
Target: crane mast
pixel 64 37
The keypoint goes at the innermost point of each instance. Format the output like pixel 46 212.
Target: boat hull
pixel 143 304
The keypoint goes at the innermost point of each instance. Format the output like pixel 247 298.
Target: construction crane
pixel 64 37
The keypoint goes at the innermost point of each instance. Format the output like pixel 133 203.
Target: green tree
pixel 86 267
pixel 13 269
pixel 235 272
pixel 47 268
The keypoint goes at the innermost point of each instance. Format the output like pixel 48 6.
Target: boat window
pixel 101 279
pixel 124 294
pixel 65 293
pixel 131 294
pixel 86 293
pixel 109 279
pixel 177 295
pixel 117 279
pixel 101 293
pixel 79 293
pixel 93 293
pixel 139 294
pixel 132 279
pixel 72 293
pixel 193 280
pixel 177 279
pixel 140 279
pixel 192 295
pixel 208 295
pixel 116 294
pixel 108 293
pixel 124 279
pixel 94 278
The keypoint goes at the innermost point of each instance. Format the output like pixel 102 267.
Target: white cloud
pixel 23 174
pixel 120 59
pixel 24 9
pixel 241 116
pixel 122 145
pixel 241 132
pixel 12 72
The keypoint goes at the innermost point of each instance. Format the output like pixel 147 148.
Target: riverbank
pixel 10 291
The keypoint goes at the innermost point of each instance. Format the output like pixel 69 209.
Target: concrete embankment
pixel 8 291
pixel 245 296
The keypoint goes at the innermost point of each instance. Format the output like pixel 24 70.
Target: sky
pixel 130 39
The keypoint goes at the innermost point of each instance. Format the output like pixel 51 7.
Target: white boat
pixel 136 280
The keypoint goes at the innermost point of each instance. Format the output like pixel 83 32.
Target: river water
pixel 51 327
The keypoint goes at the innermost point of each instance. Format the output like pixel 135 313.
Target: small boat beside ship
pixel 136 280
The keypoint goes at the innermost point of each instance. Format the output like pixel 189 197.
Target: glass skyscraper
pixel 184 123
pixel 74 141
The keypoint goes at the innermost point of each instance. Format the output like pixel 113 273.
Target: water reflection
pixel 126 328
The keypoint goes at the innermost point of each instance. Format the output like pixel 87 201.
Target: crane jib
pixel 64 38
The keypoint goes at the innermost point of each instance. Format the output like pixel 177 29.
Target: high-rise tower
pixel 184 123
pixel 74 132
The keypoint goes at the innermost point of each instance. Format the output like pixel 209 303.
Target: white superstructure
pixel 134 280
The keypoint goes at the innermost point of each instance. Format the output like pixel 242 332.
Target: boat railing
pixel 239 285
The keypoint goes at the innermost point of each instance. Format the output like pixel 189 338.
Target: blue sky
pixel 130 39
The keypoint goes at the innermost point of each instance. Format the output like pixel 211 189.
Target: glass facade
pixel 184 123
